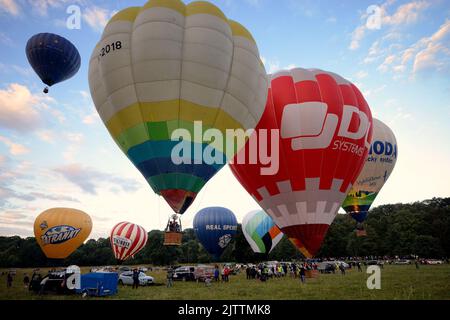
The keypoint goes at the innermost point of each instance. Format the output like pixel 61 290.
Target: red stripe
pixel 135 241
pixel 113 232
pixel 128 235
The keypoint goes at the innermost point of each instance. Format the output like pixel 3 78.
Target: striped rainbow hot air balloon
pixel 127 239
pixel 164 66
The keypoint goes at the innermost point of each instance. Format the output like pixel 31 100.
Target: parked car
pixel 375 263
pixel 433 261
pixel 185 273
pixel 126 278
pixel 124 269
pixel 402 261
pixel 326 267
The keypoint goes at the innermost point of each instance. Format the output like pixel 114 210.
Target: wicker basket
pixel 172 238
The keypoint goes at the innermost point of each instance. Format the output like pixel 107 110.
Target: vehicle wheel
pixel 121 282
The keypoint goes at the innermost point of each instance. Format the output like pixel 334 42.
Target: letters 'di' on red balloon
pixel 325 131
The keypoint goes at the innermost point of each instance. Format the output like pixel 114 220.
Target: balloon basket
pixel 361 233
pixel 172 238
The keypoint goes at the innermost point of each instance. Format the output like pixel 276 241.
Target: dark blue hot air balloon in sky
pixel 52 57
pixel 215 227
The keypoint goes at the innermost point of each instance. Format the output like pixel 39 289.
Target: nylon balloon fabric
pixel 261 232
pixel 52 57
pixel 165 67
pixel 215 227
pixel 377 169
pixel 324 130
pixel 127 239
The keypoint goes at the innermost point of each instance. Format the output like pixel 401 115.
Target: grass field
pixel 397 282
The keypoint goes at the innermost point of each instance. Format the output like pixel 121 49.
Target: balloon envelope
pixel 52 57
pixel 60 231
pixel 261 232
pixel 215 227
pixel 324 127
pixel 166 66
pixel 377 169
pixel 127 239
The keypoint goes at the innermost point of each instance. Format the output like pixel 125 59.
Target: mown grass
pixel 397 282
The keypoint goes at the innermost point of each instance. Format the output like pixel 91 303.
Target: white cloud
pixel 405 14
pixel 75 137
pixel 46 135
pixel 361 74
pixel 10 7
pixel 41 7
pixel 91 118
pixel 274 65
pixel 84 94
pixel 428 54
pixel 15 149
pixel 435 52
pixel 357 36
pixel 6 40
pixel 89 179
pixel 388 61
pixel 19 108
pixel 97 17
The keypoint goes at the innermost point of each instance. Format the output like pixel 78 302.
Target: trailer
pixel 98 284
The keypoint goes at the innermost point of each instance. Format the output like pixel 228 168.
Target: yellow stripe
pixel 240 31
pixel 168 110
pixel 203 7
pixel 176 5
pixel 128 14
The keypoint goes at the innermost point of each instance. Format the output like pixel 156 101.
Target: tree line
pixel 420 228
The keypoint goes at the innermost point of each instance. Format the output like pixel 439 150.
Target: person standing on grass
pixel 169 277
pixel 227 271
pixel 417 264
pixel 341 266
pixel 359 266
pixel 9 280
pixel 302 273
pixel 216 273
pixel 26 280
pixel 135 278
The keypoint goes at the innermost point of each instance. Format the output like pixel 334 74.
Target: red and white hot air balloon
pixel 127 239
pixel 325 129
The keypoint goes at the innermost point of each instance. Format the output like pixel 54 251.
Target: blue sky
pixel 55 151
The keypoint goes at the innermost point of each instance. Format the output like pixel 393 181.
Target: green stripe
pixel 176 181
pixel 259 242
pixel 154 131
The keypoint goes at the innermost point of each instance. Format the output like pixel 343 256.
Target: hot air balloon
pixel 53 58
pixel 215 228
pixel 167 66
pixel 324 127
pixel 261 232
pixel 377 169
pixel 127 239
pixel 60 231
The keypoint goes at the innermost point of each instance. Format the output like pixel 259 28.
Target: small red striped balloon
pixel 127 239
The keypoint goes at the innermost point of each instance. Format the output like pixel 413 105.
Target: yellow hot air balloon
pixel 60 231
